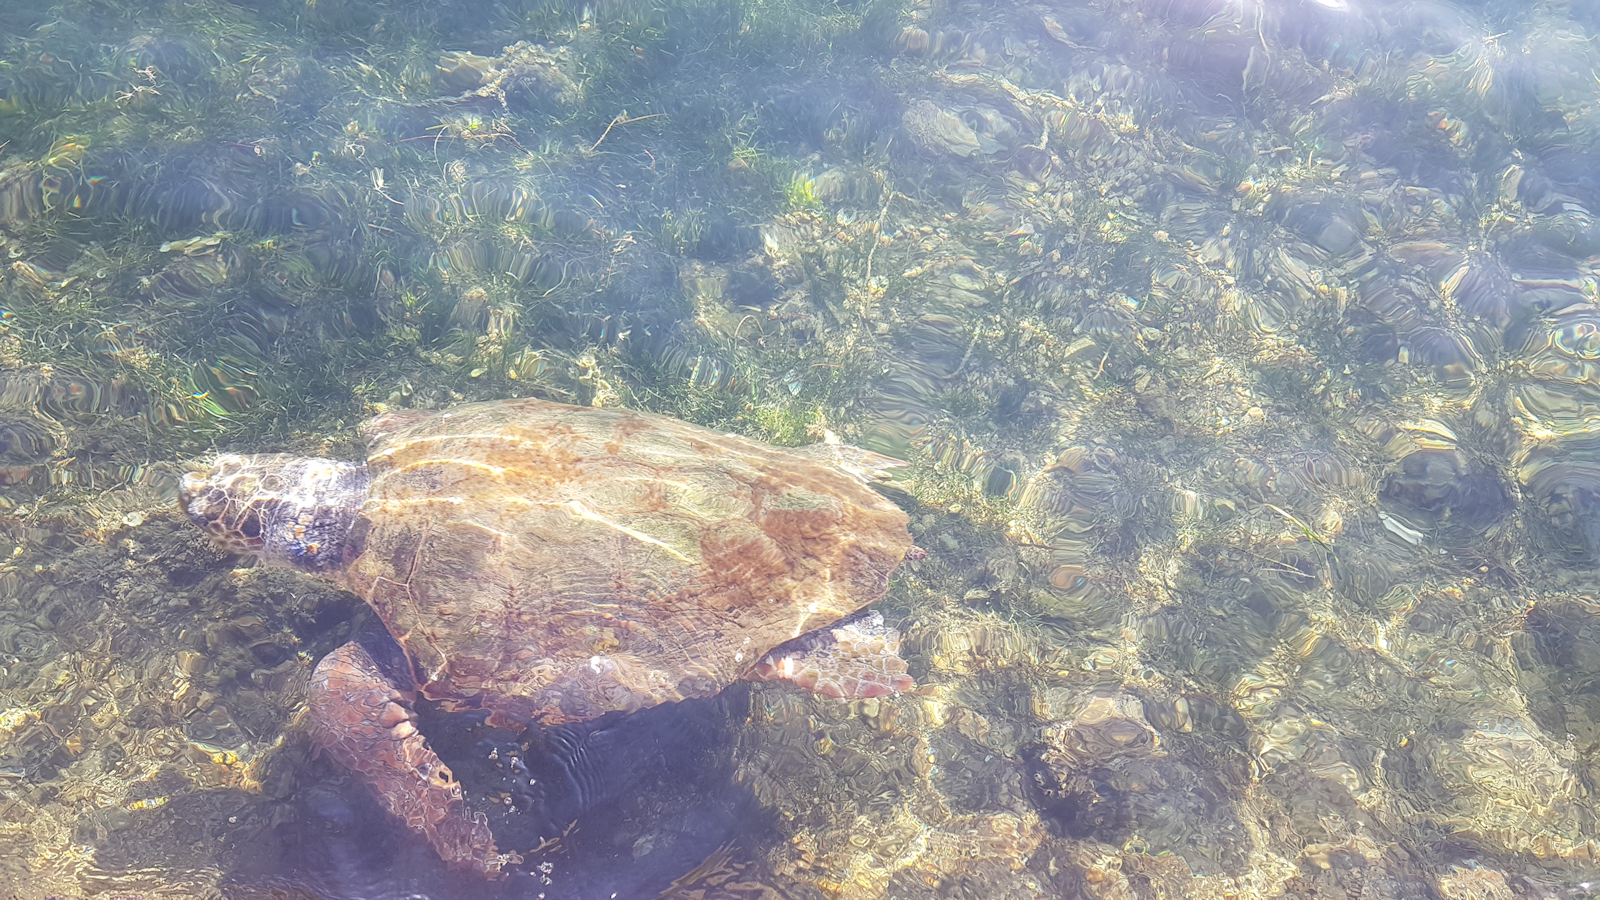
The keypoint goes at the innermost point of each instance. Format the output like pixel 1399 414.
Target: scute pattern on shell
pixel 559 562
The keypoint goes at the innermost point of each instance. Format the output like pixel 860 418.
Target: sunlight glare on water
pixel 1243 357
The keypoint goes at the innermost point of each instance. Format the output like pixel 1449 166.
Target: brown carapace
pixel 555 563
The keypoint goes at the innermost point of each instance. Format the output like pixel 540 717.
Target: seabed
pixel 1244 355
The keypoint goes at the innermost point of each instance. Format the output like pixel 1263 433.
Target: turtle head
pixel 289 510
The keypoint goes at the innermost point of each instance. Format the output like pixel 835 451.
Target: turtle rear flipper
pixel 853 659
pixel 367 726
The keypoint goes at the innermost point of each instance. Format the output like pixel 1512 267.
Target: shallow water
pixel 1245 357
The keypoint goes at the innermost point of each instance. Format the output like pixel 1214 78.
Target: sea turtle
pixel 552 563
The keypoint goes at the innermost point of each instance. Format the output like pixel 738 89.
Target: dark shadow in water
pixel 624 807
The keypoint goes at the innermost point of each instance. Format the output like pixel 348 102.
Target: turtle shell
pixel 558 562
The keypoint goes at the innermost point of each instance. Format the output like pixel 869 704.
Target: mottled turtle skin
pixel 554 563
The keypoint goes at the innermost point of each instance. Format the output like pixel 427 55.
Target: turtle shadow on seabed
pixel 624 805
pixel 627 806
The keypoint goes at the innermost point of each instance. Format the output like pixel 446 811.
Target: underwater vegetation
pixel 1244 355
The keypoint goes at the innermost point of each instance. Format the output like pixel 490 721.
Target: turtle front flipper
pixel 367 725
pixel 852 659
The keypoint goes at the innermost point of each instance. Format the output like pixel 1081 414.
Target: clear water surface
pixel 1245 356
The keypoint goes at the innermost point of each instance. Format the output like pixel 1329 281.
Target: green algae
pixel 1242 366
